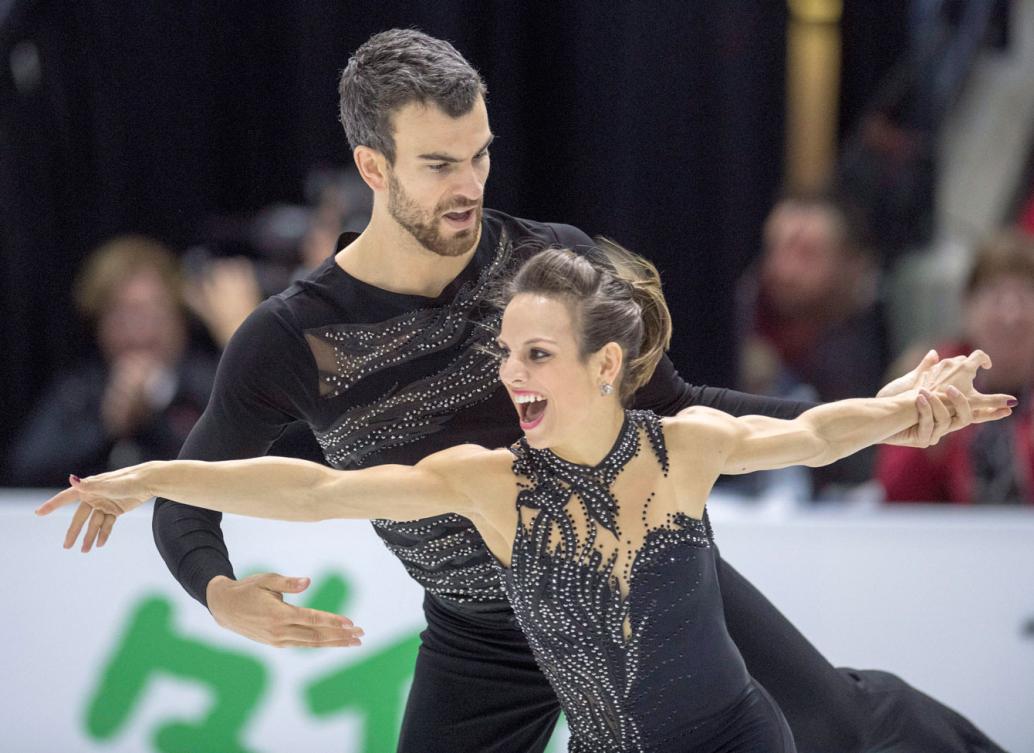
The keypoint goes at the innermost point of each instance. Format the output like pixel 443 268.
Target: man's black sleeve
pixel 666 394
pixel 264 365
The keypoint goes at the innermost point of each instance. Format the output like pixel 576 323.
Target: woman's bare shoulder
pixel 699 427
pixel 472 467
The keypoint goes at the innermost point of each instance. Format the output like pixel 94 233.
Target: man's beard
pixel 424 226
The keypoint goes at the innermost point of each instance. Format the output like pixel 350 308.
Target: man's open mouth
pixel 460 218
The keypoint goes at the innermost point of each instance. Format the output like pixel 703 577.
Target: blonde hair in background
pixel 115 262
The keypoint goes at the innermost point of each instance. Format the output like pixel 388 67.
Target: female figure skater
pixel 596 517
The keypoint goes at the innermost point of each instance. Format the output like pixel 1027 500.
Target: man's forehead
pixel 419 126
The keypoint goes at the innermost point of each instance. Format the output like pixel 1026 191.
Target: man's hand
pixel 255 608
pixel 947 400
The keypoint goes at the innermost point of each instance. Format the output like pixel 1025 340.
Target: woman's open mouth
pixel 531 407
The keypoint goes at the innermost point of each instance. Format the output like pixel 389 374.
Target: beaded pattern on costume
pixel 360 350
pixel 566 593
pixel 412 413
pixel 445 554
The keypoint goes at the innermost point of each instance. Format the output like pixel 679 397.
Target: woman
pixel 596 517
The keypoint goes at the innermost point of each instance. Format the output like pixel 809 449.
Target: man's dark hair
pixel 392 69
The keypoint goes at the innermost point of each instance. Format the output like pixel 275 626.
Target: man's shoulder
pixel 523 231
pixel 321 298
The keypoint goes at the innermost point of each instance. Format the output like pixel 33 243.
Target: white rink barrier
pixel 105 652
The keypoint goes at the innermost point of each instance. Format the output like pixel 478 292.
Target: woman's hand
pixel 102 499
pixel 948 400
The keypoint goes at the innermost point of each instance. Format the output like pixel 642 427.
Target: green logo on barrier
pixel 150 647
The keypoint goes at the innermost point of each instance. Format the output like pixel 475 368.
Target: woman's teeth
pixel 530 406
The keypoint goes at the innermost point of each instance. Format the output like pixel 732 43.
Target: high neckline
pixel 626 426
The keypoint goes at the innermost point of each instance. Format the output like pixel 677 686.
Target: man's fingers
pixel 345 643
pixel 979 359
pixel 316 619
pixel 298 635
pixel 283 584
pixel 80 517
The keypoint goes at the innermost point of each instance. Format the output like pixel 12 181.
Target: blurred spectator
pixel 222 294
pixel 985 463
pixel 289 241
pixel 811 323
pixel 140 398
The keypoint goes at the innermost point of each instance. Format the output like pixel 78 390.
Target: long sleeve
pixel 667 393
pixel 264 363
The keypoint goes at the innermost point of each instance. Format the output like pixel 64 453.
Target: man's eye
pixel 481 155
pixel 438 167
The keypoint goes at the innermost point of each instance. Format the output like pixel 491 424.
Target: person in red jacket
pixel 990 464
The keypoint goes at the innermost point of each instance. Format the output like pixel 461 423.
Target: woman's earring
pixel 606 389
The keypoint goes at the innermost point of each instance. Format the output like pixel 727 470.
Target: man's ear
pixel 373 167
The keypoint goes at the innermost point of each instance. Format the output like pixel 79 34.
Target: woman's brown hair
pixel 615 296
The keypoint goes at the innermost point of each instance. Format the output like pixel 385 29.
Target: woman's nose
pixel 511 371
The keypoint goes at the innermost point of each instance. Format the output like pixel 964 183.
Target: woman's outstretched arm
pixel 828 432
pixel 271 487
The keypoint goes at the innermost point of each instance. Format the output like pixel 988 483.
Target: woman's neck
pixel 595 437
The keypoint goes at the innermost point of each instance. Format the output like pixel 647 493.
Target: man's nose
pixel 469 184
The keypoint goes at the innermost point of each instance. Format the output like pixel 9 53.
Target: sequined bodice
pixel 618 595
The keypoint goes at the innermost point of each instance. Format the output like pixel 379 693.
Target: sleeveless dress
pixel 617 594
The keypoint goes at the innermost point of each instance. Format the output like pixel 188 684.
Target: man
pixel 379 351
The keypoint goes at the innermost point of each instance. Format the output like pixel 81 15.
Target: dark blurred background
pixel 658 124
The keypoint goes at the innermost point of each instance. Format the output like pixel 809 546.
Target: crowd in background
pixel 810 309
pixel 812 326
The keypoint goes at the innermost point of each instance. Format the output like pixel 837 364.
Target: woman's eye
pixel 538 355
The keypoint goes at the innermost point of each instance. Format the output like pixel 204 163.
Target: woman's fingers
pixel 941 416
pixel 960 407
pixel 991 407
pixel 82 513
pixel 93 529
pixel 67 497
pixel 106 528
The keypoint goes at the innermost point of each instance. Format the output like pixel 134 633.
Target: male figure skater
pixel 378 351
